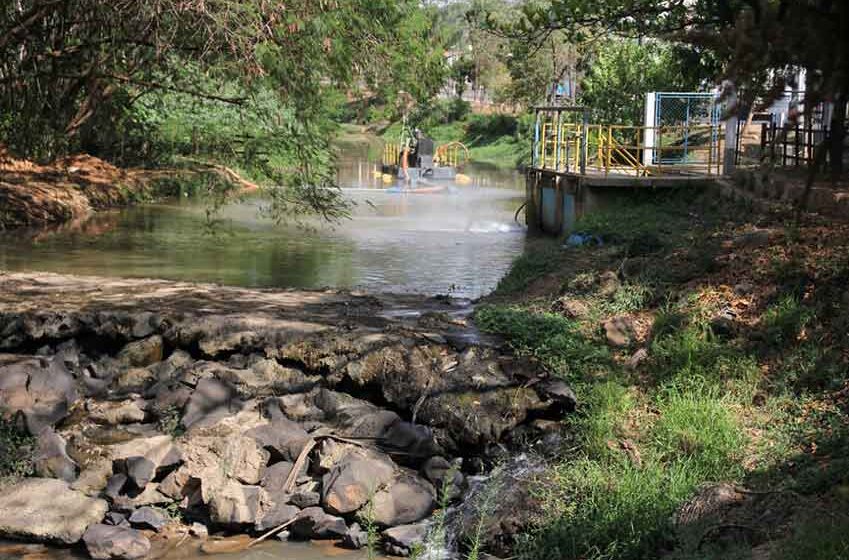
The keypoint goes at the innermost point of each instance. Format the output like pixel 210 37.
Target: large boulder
pixel 276 515
pixel 404 539
pixel 40 388
pixel 235 504
pixel 352 481
pixel 406 500
pixel 212 401
pixel 46 509
pixel 314 523
pixel 112 542
pixel 142 353
pixel 282 438
pixel 476 419
pixel 355 418
pixel 150 518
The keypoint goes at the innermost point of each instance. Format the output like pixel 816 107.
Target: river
pixel 459 243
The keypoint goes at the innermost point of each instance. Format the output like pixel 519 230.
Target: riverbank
pixel 140 413
pixel 493 139
pixel 72 188
pixel 707 346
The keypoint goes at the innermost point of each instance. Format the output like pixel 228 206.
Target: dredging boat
pixel 429 169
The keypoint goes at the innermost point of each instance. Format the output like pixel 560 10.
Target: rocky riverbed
pixel 163 410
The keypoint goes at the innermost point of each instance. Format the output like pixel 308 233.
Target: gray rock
pixel 403 539
pixel 299 407
pixel 142 353
pixel 42 389
pixel 235 504
pixel 350 483
pixel 174 484
pixel 305 498
pixel 211 401
pixel 560 393
pixel 278 514
pixel 619 331
pixel 407 500
pixel 283 438
pixel 46 509
pixel 133 380
pixel 274 477
pixel 115 485
pixel 114 413
pixel 355 538
pixel 314 523
pixel 140 471
pixel 51 457
pixel 445 477
pixel 149 518
pixel 110 542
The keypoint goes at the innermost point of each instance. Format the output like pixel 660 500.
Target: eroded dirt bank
pixel 69 189
pixel 158 408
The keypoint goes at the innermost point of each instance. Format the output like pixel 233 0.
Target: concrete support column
pixel 649 132
pixel 731 109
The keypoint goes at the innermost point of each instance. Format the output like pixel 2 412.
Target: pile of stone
pixel 142 426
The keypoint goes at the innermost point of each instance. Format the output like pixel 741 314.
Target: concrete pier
pixel 555 199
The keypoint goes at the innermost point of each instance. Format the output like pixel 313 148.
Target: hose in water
pixel 516 216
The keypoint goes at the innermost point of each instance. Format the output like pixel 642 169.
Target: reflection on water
pixel 459 243
pixel 271 549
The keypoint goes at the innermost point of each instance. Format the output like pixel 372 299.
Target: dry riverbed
pixel 160 411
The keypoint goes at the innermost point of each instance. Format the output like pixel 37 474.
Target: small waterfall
pixel 477 518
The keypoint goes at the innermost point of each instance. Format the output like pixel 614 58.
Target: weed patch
pixel 17 450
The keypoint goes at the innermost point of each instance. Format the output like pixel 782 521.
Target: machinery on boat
pixel 429 169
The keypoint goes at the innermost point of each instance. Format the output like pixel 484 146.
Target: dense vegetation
pixel 254 84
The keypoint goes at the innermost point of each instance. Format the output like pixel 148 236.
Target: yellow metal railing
pixel 391 154
pixel 453 154
pixel 631 150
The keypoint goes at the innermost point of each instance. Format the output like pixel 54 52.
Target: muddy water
pixel 272 549
pixel 458 243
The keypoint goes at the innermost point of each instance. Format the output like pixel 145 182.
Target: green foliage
pixel 783 321
pixel 696 429
pixel 17 451
pixel 556 341
pixel 621 72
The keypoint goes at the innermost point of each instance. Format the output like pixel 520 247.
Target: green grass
pixel 761 404
pixel 553 339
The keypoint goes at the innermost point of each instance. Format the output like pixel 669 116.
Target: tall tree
pixel 64 62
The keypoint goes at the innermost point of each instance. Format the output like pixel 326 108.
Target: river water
pixel 459 243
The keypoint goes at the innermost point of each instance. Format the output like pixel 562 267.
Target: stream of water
pixel 459 243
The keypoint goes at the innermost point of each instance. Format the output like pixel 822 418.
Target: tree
pixel 65 64
pixel 759 45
